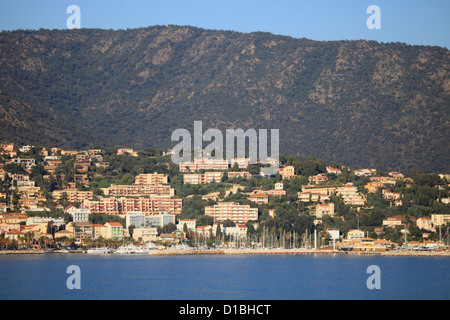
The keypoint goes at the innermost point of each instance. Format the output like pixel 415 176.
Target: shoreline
pixel 184 252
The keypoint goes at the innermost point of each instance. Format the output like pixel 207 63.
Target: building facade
pixel 233 211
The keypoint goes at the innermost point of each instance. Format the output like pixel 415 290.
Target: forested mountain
pixel 361 103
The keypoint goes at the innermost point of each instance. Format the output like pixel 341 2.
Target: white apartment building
pixel 191 224
pixel 141 220
pixel 237 232
pixel 26 163
pixel 79 214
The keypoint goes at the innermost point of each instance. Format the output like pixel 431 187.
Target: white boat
pixel 146 249
pixel 96 251
pixel 129 249
pixel 181 247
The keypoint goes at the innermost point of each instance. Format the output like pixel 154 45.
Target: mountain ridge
pixel 361 103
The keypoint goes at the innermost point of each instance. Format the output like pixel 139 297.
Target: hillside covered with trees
pixel 361 103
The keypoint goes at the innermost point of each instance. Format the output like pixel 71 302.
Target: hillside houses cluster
pixel 149 204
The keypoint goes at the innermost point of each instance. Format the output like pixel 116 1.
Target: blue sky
pixel 423 22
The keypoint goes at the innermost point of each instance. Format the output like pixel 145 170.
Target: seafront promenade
pixel 295 252
pixel 181 252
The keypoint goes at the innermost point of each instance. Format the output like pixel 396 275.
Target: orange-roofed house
pixel 287 172
pixel 425 224
pixel 259 197
pixel 115 230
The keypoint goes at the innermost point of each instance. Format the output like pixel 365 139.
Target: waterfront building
pixel 145 234
pixel 191 224
pixel 115 230
pixel 142 220
pixel 355 234
pixel 232 211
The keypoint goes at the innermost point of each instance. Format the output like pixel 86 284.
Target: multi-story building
pixel 78 214
pixel 440 219
pixel 334 234
pixel 42 220
pixel 81 167
pixel 355 234
pixel 152 205
pixel 108 206
pixel 139 190
pixel 243 174
pixel 26 163
pixel 318 179
pixel 100 230
pixel 123 206
pixel 391 196
pixel 145 234
pixel 15 218
pixel 81 230
pixel 323 190
pixel 350 195
pixel 232 211
pixel 324 209
pixel 191 224
pixel 73 195
pixel 313 197
pixel 193 178
pixel 114 230
pixel 83 158
pixel 8 149
pixel 81 178
pixel 287 172
pixel 151 179
pixel 241 162
pixel 205 178
pixel 204 164
pixel 425 224
pixel 141 220
pixel 372 187
pixel 259 197
pixel 237 232
pixel 384 180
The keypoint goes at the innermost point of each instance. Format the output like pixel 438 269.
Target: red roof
pixel 115 224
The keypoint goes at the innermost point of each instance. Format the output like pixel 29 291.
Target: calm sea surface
pixel 290 277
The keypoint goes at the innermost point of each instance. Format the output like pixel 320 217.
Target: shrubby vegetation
pixel 359 102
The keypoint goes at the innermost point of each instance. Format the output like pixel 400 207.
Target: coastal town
pixel 118 200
